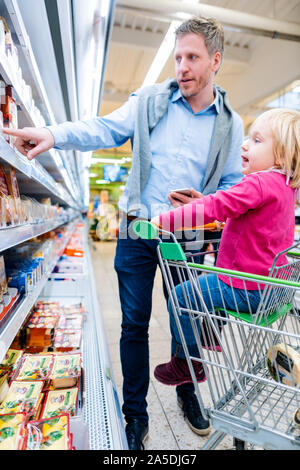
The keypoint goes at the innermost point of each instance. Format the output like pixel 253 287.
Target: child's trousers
pixel 215 294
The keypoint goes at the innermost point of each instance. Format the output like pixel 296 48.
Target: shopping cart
pixel 251 359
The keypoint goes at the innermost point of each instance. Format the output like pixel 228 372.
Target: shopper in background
pixel 184 133
pixel 260 223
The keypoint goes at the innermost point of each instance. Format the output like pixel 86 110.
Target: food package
pixel 60 401
pixel 39 331
pixel 4 387
pixel 70 322
pixel 67 340
pixel 66 370
pixel 22 397
pixel 2 36
pixel 12 360
pixel 35 367
pixel 12 431
pixel 3 282
pixel 49 434
pixel 7 205
pixel 14 193
pixel 47 305
pixel 283 363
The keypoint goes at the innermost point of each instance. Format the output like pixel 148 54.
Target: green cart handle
pixel 145 229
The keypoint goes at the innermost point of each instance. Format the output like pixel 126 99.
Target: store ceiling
pixel 254 66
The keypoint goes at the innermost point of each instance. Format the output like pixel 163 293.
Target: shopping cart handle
pixel 144 229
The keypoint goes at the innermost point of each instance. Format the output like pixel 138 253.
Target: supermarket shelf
pixel 101 407
pixel 52 159
pixel 32 68
pixel 35 171
pixel 7 72
pixel 14 323
pixel 13 236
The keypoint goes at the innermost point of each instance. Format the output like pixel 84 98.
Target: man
pixel 184 134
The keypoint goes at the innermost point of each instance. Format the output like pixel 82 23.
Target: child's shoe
pixel 176 372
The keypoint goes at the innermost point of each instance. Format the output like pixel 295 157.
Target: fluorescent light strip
pixel 165 48
pixel 162 55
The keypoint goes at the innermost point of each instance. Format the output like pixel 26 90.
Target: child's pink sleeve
pixel 231 203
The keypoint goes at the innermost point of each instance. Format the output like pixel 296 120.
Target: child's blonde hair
pixel 285 125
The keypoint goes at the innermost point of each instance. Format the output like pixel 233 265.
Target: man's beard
pixel 199 86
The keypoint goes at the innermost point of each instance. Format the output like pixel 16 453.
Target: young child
pixel 260 221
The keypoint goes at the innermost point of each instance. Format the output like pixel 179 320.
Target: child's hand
pixel 219 226
pixel 155 221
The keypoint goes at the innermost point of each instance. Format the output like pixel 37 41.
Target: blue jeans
pixel 214 292
pixel 136 262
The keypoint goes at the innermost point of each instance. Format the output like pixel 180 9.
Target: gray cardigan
pixel 152 104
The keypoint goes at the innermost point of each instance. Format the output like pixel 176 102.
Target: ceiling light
pixel 162 55
pixel 296 89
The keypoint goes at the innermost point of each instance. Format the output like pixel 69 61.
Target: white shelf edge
pixel 12 236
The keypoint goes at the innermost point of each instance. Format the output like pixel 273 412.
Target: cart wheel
pixel 238 444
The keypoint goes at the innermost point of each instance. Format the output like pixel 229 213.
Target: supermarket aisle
pixel 167 427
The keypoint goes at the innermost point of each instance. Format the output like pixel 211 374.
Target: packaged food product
pixel 3 283
pixel 14 192
pixel 67 340
pixel 66 370
pixel 283 363
pixel 39 331
pixel 12 431
pixel 8 200
pixel 35 367
pixel 60 401
pixel 10 112
pixel 3 383
pixel 70 321
pixel 7 217
pixel 2 36
pixel 49 434
pixel 22 397
pixel 12 360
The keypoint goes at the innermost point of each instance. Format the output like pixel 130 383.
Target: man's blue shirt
pixel 180 145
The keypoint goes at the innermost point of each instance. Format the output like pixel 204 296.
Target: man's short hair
pixel 209 28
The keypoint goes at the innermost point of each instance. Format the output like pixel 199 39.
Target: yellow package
pixel 22 397
pixel 283 363
pixel 49 434
pixel 35 367
pixel 12 431
pixel 66 370
pixel 60 401
pixel 11 359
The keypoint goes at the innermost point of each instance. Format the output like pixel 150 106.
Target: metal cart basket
pixel 251 358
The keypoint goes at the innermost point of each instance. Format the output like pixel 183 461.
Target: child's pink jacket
pixel 260 222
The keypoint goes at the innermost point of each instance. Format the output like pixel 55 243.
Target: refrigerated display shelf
pixel 14 235
pixel 101 407
pixel 8 72
pixel 34 171
pixel 31 65
pixel 13 323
